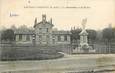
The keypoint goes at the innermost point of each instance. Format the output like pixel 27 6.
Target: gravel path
pixel 68 64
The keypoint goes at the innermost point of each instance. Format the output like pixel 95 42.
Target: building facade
pixel 43 33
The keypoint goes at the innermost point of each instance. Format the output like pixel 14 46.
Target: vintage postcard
pixel 57 36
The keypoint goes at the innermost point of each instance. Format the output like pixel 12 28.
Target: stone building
pixel 42 33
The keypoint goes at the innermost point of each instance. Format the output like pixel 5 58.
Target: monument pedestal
pixel 82 51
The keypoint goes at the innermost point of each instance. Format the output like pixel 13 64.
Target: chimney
pixel 51 20
pixel 43 17
pixel 35 22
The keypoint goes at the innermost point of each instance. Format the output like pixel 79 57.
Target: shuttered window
pixel 59 38
pixel 20 37
pixel 65 37
pixel 27 37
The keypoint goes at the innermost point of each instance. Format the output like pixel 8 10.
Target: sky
pixel 99 14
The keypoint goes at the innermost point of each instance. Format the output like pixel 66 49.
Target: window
pixel 53 36
pixel 20 37
pixel 40 29
pixel 59 38
pixel 47 36
pixel 47 29
pixel 40 37
pixel 65 37
pixel 53 41
pixel 27 37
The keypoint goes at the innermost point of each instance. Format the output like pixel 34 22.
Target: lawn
pixel 28 53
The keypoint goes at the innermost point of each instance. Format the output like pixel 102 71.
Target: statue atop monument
pixel 84 21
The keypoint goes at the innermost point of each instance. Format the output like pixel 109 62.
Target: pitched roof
pixel 43 23
pixel 24 31
pixel 61 32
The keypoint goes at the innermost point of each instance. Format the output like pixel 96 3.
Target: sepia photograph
pixel 57 36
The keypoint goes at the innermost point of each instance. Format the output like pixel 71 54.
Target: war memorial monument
pixel 83 45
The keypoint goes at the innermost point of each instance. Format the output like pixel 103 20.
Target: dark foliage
pixel 75 34
pixel 92 35
pixel 8 35
pixel 108 34
pixel 14 53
